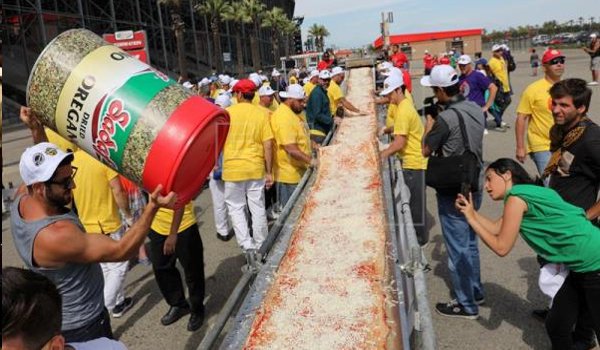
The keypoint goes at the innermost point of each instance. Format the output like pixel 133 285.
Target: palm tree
pixel 275 19
pixel 255 10
pixel 319 32
pixel 238 18
pixel 288 28
pixel 214 10
pixel 178 27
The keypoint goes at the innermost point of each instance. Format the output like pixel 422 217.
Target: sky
pixel 355 23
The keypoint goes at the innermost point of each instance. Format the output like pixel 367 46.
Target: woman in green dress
pixel 556 230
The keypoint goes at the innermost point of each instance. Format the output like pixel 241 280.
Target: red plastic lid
pixel 186 149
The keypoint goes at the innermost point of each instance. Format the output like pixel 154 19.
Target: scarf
pixel 559 140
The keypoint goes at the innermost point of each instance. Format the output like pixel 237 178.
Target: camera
pixel 431 107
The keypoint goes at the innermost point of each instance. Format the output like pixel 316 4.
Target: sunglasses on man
pixel 557 60
pixel 67 182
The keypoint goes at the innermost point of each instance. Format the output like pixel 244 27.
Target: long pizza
pixel 333 289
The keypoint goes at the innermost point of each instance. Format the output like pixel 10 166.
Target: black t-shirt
pixel 577 178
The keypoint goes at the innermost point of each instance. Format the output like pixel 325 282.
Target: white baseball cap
pixel 496 47
pixel 385 66
pixel 593 35
pixel 426 51
pixel 392 71
pixel 225 79
pixel 337 70
pixel 314 73
pixel 187 85
pixel 255 79
pixel 441 76
pixel 205 81
pixel 275 73
pixel 265 90
pixel 223 100
pixel 39 162
pixel 464 59
pixel 294 91
pixel 325 74
pixel 391 83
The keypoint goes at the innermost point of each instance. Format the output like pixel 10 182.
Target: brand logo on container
pixel 104 140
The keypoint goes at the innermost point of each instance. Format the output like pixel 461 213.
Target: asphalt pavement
pixel 510 283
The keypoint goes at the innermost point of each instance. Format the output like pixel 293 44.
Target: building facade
pixel 467 41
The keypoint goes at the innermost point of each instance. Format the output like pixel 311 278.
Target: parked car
pixel 556 40
pixel 568 38
pixel 541 39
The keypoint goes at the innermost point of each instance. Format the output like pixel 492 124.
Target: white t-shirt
pixel 100 343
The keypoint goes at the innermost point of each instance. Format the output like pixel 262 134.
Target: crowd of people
pixel 78 223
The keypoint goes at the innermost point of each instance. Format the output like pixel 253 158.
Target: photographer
pixel 443 138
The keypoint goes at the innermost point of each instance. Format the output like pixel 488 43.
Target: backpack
pixel 512 65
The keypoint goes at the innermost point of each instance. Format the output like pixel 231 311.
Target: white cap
pixel 223 100
pixel 205 81
pixel 312 74
pixel 391 83
pixel 264 77
pixel 225 79
pixel 464 59
pixel 187 85
pixel 593 35
pixel 392 71
pixel 305 80
pixel 255 79
pixel 441 76
pixel 275 73
pixel 337 70
pixel 505 47
pixel 426 51
pixel 451 52
pixel 385 65
pixel 325 74
pixel 39 162
pixel 265 90
pixel 496 47
pixel 294 91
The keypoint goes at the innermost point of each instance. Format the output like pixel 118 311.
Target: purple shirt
pixel 473 87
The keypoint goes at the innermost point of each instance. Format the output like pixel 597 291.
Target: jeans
pixel 463 252
pixel 98 328
pixel 541 160
pixel 189 252
pixel 580 291
pixel 284 193
pixel 415 181
pixel 114 277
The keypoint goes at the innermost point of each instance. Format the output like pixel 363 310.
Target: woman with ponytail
pixel 556 230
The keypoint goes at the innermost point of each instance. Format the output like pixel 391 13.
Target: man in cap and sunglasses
pixel 499 68
pixel 52 241
pixel 534 114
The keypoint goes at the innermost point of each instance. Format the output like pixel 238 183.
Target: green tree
pixel 238 18
pixel 178 27
pixel 214 9
pixel 319 32
pixel 255 10
pixel 276 20
pixel 288 29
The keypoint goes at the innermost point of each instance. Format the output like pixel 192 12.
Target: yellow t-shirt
pixel 335 93
pixel 308 88
pixel 162 221
pixel 391 111
pixel 289 128
pixel 408 123
pixel 498 67
pixel 60 141
pixel 215 93
pixel 243 154
pixel 536 102
pixel 96 205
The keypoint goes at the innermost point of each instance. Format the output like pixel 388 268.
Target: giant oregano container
pixel 126 114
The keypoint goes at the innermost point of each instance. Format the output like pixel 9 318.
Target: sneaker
pixel 504 125
pixel 121 308
pixel 500 129
pixel 453 309
pixel 593 83
pixel 480 301
pixel 226 238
